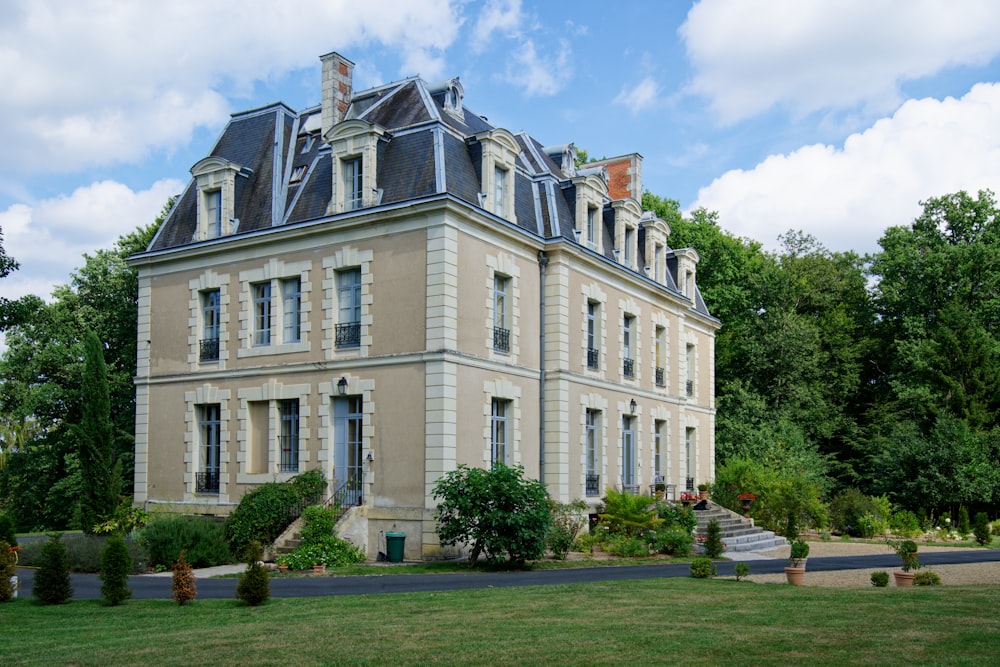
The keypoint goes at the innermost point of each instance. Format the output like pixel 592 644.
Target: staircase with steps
pixel 738 533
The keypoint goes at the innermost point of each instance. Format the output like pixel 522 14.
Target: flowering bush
pixel 330 551
pixel 689 496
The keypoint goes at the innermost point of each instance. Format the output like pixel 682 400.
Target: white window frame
pixel 291 309
pixel 499 430
pixel 262 313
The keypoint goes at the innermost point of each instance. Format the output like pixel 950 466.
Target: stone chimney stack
pixel 337 89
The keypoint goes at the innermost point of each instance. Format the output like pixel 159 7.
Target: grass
pixel 695 622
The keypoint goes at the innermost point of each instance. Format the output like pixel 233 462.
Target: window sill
pixel 266 350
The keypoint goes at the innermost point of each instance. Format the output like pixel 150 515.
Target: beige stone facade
pixel 474 339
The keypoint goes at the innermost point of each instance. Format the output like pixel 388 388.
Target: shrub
pixel 926 578
pixel 261 515
pixel 330 551
pixel 116 563
pixel 202 538
pixel 963 520
pixel 183 581
pixel 628 546
pixel 52 584
pixel 847 511
pixel 497 512
pixel 83 553
pixel 702 567
pixel 124 520
pixel 741 570
pixel 905 523
pixel 7 530
pixel 713 545
pixel 319 522
pixel 567 521
pixel 671 540
pixel 800 549
pixel 254 587
pixel 310 485
pixel 907 552
pixel 628 513
pixel 8 569
pixel 880 579
pixel 981 528
pixel 676 516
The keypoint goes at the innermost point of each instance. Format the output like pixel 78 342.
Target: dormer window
pixel 499 190
pixel 627 213
pixel 298 174
pixel 500 150
pixel 591 226
pixel 355 150
pixel 591 192
pixel 215 180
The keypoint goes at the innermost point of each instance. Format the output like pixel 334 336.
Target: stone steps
pixel 739 533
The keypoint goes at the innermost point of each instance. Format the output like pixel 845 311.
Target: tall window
pixel 628 343
pixel 262 314
pixel 289 434
pixel 661 354
pixel 499 189
pixel 689 452
pixel 210 318
pixel 593 453
pixel 349 302
pixel 657 262
pixel 348 427
pixel 291 309
pixel 353 192
pixel 591 226
pixel 628 454
pixel 659 442
pixel 627 253
pixel 209 427
pixel 593 313
pixel 689 385
pixel 213 209
pixel 501 330
pixel 498 431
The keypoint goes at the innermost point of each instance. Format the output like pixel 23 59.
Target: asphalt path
pixel 88 586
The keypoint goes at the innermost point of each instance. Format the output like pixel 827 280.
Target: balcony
pixel 501 339
pixel 209 349
pixel 593 485
pixel 689 388
pixel 348 335
pixel 593 357
pixel 661 379
pixel 628 368
pixel 206 482
pixel 289 453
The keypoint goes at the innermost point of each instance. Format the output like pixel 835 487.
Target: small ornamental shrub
pixel 7 533
pixel 907 552
pixel 202 538
pixel 116 563
pixel 926 578
pixel 8 569
pixel 981 528
pixel 310 485
pixel 800 549
pixel 319 522
pixel 254 587
pixel 963 520
pixel 702 567
pixel 567 521
pixel 628 513
pixel 847 511
pixel 905 523
pixel 628 546
pixel 330 551
pixel 741 570
pixel 671 540
pixel 52 584
pixel 713 545
pixel 183 581
pixel 880 579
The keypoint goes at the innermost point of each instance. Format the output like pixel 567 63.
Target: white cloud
pixel 847 196
pixel 49 238
pixel 642 96
pixel 498 16
pixel 92 82
pixel 538 74
pixel 803 56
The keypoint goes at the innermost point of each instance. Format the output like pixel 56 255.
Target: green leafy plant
pixel 907 552
pixel 981 529
pixel 905 523
pixel 126 519
pixel 628 513
pixel 329 550
pixel 498 513
pixel 567 522
pixel 319 523
pixel 848 510
pixel 800 550
pixel 963 520
pixel 702 567
pixel 7 532
pixel 713 544
pixel 702 487
pixel 628 546
pixel 254 587
pixel 8 568
pixel 116 563
pixel 203 539
pixel 267 510
pixel 52 584
pixel 926 578
pixel 741 570
pixel 671 540
pixel 880 579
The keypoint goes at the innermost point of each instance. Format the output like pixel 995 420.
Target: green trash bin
pixel 394 543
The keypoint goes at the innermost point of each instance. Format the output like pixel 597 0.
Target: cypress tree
pixel 101 481
pixel 116 563
pixel 52 584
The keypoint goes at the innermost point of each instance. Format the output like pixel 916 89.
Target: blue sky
pixel 835 117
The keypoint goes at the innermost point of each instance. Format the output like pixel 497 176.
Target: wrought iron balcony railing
pixel 661 377
pixel 206 482
pixel 348 335
pixel 628 368
pixel 209 349
pixel 593 485
pixel 289 453
pixel 689 387
pixel 501 339
pixel 593 356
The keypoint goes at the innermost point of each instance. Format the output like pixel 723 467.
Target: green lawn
pixel 675 621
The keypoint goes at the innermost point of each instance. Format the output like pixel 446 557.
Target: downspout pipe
pixel 543 261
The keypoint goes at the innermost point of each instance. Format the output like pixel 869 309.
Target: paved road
pixel 88 586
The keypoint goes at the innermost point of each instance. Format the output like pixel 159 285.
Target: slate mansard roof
pixel 274 145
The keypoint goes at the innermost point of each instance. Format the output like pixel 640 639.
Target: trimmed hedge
pixel 202 539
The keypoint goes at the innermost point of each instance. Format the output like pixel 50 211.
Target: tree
pixel 116 564
pixel 101 479
pixel 497 513
pixel 183 581
pixel 52 584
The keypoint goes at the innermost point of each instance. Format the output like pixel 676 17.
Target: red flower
pixel 747 496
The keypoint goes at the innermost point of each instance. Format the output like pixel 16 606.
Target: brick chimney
pixel 337 89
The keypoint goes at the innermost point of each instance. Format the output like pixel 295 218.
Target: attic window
pixel 298 173
pixel 308 143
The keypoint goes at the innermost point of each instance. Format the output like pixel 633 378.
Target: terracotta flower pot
pixel 903 578
pixel 795 575
pixel 319 569
pixel 703 495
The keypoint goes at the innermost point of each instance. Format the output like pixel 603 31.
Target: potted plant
pixel 703 491
pixel 687 498
pixel 661 490
pixel 907 552
pixel 796 570
pixel 747 500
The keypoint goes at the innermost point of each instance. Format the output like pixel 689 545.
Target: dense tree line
pixel 877 372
